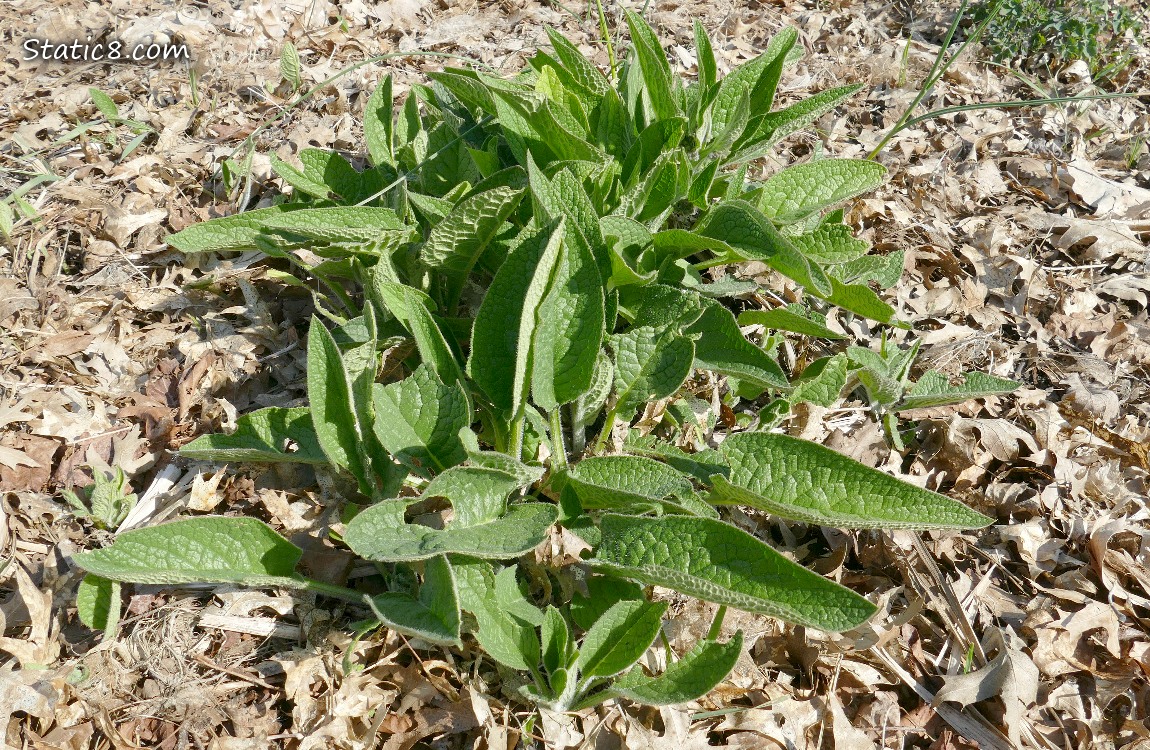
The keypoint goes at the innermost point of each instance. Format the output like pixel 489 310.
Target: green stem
pixel 332 590
pixel 606 37
pixel 717 623
pixel 608 427
pixel 718 260
pixel 558 448
pixel 1018 103
pixel 516 447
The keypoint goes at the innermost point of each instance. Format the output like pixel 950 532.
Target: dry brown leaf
pixel 1010 676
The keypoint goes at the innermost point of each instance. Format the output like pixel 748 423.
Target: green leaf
pixel 569 330
pixel 98 603
pixel 620 637
pixel 418 419
pixel 721 347
pixel 706 57
pixel 750 235
pixel 805 481
pixel 757 79
pixel 236 232
pixel 456 242
pixel 861 300
pixel 822 381
pixel 373 534
pixel 332 412
pixel 105 104
pixel 583 71
pixel 634 482
pixel 774 126
pixel 556 640
pixel 289 65
pixel 500 362
pixel 378 124
pixel 934 389
pixel 410 307
pixel 506 637
pixel 342 224
pixel 792 318
pixel 830 243
pixel 719 563
pixel 798 191
pixel 263 437
pixel 432 615
pixel 653 63
pixel 699 672
pixel 478 494
pixel 650 364
pixel 207 549
pixel 884 270
pixel 603 592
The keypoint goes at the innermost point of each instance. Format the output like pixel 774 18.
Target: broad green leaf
pixel 236 232
pixel 299 180
pixel 433 614
pixel 830 243
pixel 620 637
pixel 505 637
pixel 378 124
pixel 861 300
pixel 752 236
pixel 603 592
pixel 456 242
pixel 650 364
pixel 705 55
pixel 721 347
pixel 289 64
pixel 662 305
pixel 556 640
pixel 410 307
pixel 341 224
pixel 207 549
pixel 719 563
pixel 881 388
pixel 332 413
pixel 756 79
pixel 701 465
pixel 477 494
pixel 792 318
pixel 884 270
pixel 799 191
pixel 523 473
pixel 821 382
pixel 623 482
pixel 98 602
pixel 653 63
pixel 935 389
pixel 772 127
pixel 585 73
pixel 699 672
pixel 263 437
pixel 418 419
pixel 805 481
pixel 501 357
pixel 105 104
pixel 373 535
pixel 569 331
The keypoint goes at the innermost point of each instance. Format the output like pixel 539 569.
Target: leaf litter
pixel 1025 233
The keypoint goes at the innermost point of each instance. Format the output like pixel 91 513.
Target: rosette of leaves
pixel 536 245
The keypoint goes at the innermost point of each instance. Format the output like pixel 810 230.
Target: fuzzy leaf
pixel 799 191
pixel 262 437
pixel 433 614
pixel 805 481
pixel 620 637
pixel 378 124
pixel 719 563
pixel 721 347
pixel 697 673
pixel 634 482
pixel 98 602
pixel 791 318
pixel 207 549
pixel 649 365
pixel 418 420
pixel 409 306
pixel 505 636
pixel 934 389
pixel 332 414
pixel 236 232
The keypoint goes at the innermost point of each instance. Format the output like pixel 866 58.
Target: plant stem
pixel 332 590
pixel 558 449
pixel 717 623
pixel 516 447
pixel 608 428
pixel 606 37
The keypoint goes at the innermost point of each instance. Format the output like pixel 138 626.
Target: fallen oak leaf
pixel 1011 676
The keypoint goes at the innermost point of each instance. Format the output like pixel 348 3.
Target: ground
pixel 1025 233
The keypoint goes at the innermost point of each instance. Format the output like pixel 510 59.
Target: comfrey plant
pixel 532 250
